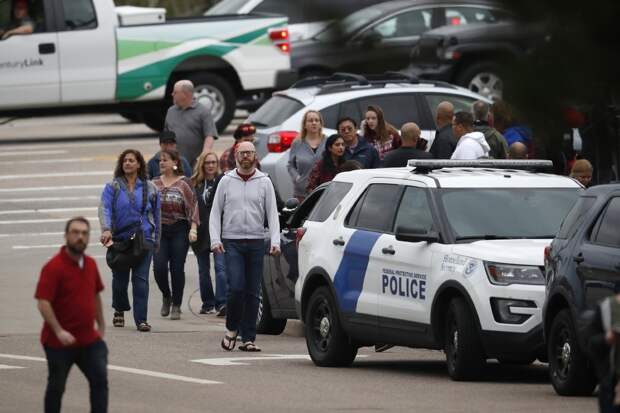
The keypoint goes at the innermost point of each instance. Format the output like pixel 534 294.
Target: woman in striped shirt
pixel 180 220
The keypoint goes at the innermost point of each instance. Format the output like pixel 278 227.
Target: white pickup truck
pixel 89 56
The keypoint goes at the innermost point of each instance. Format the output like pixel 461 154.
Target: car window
pixel 407 24
pixel 79 14
pixel 397 108
pixel 329 201
pixel 306 207
pixel 330 116
pixel 226 7
pixel 460 102
pixel 468 15
pixel 374 210
pixel 294 10
pixel 275 111
pixel 608 233
pixel 414 210
pixel 35 17
pixel 575 216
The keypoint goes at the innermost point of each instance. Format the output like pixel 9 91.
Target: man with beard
pixel 244 199
pixel 69 301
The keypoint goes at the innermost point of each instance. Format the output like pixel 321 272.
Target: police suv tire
pixel 464 353
pixel 570 376
pixel 327 342
pixel 223 90
pixel 265 323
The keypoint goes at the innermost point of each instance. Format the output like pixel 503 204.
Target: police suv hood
pixel 508 251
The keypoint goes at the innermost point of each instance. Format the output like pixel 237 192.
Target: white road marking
pixel 241 361
pixel 46 210
pixel 141 372
pixel 7 367
pixel 51 188
pixel 32 234
pixel 40 161
pixel 83 145
pixel 51 199
pixel 42 221
pixel 56 175
pixel 20 153
pixel 35 247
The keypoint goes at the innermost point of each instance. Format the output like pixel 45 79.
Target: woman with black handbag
pixel 180 220
pixel 130 229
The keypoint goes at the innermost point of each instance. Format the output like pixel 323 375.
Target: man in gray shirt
pixel 191 122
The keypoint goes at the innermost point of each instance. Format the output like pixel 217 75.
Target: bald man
pixel 191 122
pixel 517 150
pixel 409 135
pixel 444 144
pixel 243 199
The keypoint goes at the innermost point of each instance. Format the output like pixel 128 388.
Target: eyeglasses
pixel 246 153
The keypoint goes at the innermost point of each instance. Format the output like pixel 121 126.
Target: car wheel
pixel 265 323
pixel 483 78
pixel 217 95
pixel 568 365
pixel 464 354
pixel 328 344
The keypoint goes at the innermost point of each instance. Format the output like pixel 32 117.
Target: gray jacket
pixel 301 160
pixel 240 207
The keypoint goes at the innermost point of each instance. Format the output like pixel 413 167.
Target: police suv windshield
pixel 505 213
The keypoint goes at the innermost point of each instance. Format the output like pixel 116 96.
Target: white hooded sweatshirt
pixel 472 145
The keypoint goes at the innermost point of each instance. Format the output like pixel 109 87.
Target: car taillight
pixel 281 141
pixel 455 21
pixel 547 252
pixel 299 234
pixel 280 39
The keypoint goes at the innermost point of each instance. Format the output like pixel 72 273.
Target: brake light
pixel 281 141
pixel 280 39
pixel 299 234
pixel 455 21
pixel 547 252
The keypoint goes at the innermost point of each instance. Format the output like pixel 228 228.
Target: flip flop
pixel 228 343
pixel 249 346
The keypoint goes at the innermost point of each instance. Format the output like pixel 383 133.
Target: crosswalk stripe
pixel 46 210
pixel 56 175
pixel 42 221
pixel 20 153
pixel 51 188
pixel 50 199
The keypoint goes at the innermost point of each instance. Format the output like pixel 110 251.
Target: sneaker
pixel 210 310
pixel 119 319
pixel 144 327
pixel 165 307
pixel 221 312
pixel 175 313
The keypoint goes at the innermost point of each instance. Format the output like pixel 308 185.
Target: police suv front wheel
pixel 464 353
pixel 328 344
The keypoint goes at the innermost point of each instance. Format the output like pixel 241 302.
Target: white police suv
pixel 439 255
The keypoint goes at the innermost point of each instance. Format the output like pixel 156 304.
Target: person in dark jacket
pixel 167 142
pixel 409 134
pixel 357 148
pixel 122 209
pixel 444 144
pixel 205 180
pixel 497 142
pixel 326 168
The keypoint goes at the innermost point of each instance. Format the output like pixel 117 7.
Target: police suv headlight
pixel 505 274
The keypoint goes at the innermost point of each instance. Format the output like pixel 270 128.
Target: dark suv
pixel 582 266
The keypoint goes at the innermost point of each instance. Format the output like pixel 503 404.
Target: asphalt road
pixel 55 168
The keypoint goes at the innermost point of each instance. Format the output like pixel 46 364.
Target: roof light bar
pixel 424 166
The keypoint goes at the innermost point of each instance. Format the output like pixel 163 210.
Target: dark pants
pixel 140 289
pixel 172 249
pixel 244 268
pixel 91 360
pixel 606 394
pixel 210 300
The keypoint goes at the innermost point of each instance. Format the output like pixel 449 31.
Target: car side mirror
pixel 291 205
pixel 413 234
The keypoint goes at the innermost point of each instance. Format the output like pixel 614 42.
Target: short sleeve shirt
pixel 72 292
pixel 191 126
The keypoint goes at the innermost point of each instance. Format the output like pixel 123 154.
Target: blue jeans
pixel 172 249
pixel 140 289
pixel 244 267
pixel 92 360
pixel 209 300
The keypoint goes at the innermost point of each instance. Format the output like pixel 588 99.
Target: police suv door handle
pixel 578 258
pixel 389 250
pixel 338 241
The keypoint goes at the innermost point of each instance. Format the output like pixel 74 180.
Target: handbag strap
pixel 117 189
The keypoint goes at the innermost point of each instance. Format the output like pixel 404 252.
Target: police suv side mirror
pixel 412 234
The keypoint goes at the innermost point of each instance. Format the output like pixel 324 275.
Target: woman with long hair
pixel 383 136
pixel 128 204
pixel 305 151
pixel 326 168
pixel 180 220
pixel 205 179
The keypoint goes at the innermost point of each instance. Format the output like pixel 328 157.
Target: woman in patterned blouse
pixel 383 136
pixel 180 220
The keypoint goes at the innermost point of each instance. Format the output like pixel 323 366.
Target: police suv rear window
pixel 329 201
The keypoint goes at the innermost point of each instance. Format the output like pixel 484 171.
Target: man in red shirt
pixel 69 301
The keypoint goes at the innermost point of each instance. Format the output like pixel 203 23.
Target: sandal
pixel 249 346
pixel 144 327
pixel 228 343
pixel 119 319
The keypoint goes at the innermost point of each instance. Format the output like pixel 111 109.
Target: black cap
pixel 167 136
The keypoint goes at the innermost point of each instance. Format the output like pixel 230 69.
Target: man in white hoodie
pixel 243 199
pixel 470 144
